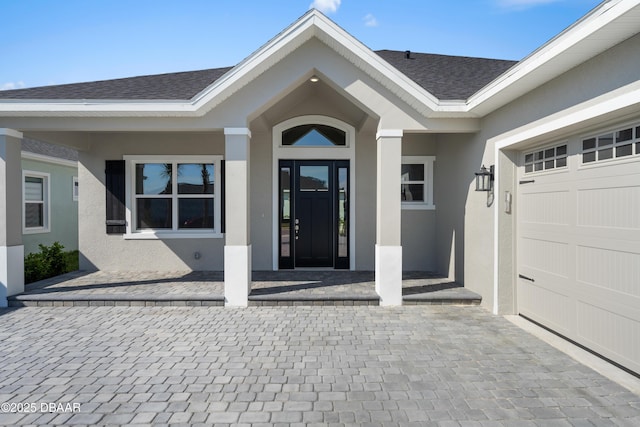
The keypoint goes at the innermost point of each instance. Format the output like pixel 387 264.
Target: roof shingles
pixel 445 77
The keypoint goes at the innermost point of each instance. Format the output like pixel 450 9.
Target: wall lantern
pixel 484 179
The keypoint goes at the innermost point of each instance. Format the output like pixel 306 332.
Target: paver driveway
pixel 434 365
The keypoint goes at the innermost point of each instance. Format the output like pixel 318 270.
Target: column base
pixel 11 272
pixel 389 275
pixel 237 275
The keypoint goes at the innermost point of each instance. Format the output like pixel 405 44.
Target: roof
pixel 174 86
pixel 445 77
pixel 50 150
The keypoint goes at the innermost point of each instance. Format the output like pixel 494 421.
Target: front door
pixel 314 213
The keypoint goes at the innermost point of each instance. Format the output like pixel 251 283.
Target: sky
pixel 45 42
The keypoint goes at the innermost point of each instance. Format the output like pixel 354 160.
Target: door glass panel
pixel 343 214
pixel 314 178
pixel 285 212
pixel 195 178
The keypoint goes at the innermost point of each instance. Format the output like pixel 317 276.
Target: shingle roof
pixel 171 86
pixel 46 149
pixel 446 77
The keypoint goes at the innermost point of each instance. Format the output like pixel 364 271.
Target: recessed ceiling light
pixel 314 79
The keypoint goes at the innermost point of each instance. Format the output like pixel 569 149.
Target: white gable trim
pixel 27 155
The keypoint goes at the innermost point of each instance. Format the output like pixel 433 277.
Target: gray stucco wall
pixel 111 252
pixel 63 223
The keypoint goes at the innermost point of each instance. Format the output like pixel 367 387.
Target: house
pixel 49 196
pixel 316 152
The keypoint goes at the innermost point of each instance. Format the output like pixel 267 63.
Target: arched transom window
pixel 314 135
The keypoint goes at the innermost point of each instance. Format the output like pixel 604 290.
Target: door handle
pixel 522 276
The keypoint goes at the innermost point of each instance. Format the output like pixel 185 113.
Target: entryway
pixel 314 214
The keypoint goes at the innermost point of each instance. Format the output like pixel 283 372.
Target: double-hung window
pixel 177 196
pixel 35 196
pixel 417 182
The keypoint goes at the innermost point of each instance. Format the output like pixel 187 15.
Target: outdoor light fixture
pixel 484 182
pixel 484 179
pixel 314 79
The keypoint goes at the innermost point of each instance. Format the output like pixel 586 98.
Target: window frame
pixel 633 142
pixel 175 232
pixel 543 149
pixel 46 202
pixel 428 203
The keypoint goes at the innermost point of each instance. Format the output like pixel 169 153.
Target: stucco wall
pixel 63 222
pixel 111 252
pixel 608 71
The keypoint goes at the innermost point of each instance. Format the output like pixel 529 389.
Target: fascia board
pixel 28 155
pixel 585 39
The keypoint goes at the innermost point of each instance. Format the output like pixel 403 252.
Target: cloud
pixel 370 20
pixel 325 6
pixel 523 4
pixel 12 85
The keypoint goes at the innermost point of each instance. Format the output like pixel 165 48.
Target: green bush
pixel 49 262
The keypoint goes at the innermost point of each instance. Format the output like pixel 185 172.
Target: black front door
pixel 314 213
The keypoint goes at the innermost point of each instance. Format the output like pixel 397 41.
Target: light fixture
pixel 484 179
pixel 314 79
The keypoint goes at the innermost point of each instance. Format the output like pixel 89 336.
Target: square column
pixel 237 249
pixel 11 248
pixel 388 262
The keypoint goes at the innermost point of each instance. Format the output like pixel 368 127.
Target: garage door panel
pixel 545 256
pixel 548 307
pixel 545 208
pixel 609 207
pixel 610 269
pixel 611 334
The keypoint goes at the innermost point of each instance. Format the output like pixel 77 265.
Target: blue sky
pixel 45 42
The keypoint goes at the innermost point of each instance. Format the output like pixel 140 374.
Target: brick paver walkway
pixel 418 365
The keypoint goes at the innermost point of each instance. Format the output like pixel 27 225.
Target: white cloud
pixel 11 85
pixel 370 20
pixel 523 4
pixel 325 6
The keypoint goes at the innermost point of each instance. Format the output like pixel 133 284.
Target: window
pixel 546 159
pixel 417 182
pixel 612 145
pixel 176 195
pixel 35 196
pixel 74 189
pixel 314 135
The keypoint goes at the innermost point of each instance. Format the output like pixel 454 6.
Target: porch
pixel 269 288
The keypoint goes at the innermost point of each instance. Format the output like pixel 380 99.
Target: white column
pixel 11 248
pixel 237 249
pixel 388 211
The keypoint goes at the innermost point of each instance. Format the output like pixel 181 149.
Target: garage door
pixel 579 241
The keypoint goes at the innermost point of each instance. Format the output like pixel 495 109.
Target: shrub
pixel 49 262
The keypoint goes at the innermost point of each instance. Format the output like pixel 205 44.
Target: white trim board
pixel 28 155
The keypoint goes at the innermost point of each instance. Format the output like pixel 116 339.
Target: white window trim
pixel 46 202
pixel 296 152
pixel 428 162
pixel 133 234
pixel 74 186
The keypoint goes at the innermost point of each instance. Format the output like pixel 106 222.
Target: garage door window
pixel 546 159
pixel 617 144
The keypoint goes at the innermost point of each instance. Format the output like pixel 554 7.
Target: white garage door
pixel 579 241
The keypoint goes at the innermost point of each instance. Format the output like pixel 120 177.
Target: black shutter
pixel 115 187
pixel 221 186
